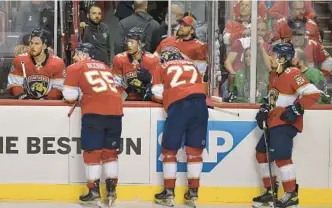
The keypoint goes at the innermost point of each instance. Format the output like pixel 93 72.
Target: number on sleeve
pixel 179 71
pixel 100 80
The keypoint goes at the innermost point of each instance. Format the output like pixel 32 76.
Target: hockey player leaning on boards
pixel 290 93
pixel 178 84
pixel 92 83
pixel 37 74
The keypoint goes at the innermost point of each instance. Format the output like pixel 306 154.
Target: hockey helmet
pixel 170 54
pixel 285 50
pixel 136 33
pixel 44 35
pixel 86 48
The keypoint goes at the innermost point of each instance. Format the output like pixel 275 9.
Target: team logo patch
pixel 38 85
pixel 299 79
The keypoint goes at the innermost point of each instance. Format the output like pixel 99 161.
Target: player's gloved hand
pixel 24 96
pixel 231 97
pixel 135 86
pixel 262 115
pixel 292 112
pixel 144 75
pixel 148 94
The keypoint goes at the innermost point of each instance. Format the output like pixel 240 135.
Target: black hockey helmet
pixel 86 48
pixel 136 33
pixel 44 35
pixel 170 54
pixel 285 50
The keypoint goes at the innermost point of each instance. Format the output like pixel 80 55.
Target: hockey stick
pixel 72 108
pixel 226 111
pixel 265 130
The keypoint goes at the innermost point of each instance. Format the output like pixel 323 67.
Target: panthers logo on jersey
pixel 38 85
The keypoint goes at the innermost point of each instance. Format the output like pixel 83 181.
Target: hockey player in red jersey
pixel 178 85
pixel 290 94
pixel 133 68
pixel 92 83
pixel 37 74
pixel 187 44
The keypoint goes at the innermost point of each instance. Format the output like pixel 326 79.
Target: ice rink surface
pixel 118 205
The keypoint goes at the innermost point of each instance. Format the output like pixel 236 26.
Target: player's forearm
pixel 16 90
pixel 309 100
pixel 54 94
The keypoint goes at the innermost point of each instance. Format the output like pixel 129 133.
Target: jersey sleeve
pixel 157 84
pixel 117 71
pixel 57 81
pixel 16 78
pixel 71 90
pixel 308 93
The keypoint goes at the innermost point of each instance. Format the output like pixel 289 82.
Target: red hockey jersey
pixel 93 83
pixel 175 80
pixel 124 69
pixel 44 82
pixel 286 89
pixel 192 50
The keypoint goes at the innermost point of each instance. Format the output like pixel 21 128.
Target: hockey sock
pixel 264 166
pixel 169 167
pixel 287 174
pixel 194 166
pixel 92 166
pixel 110 164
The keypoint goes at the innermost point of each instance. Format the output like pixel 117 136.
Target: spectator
pixel 34 14
pixel 280 9
pixel 98 34
pixel 315 53
pixel 239 27
pixel 239 90
pixel 314 75
pixel 177 11
pixel 294 21
pixel 234 58
pixel 124 9
pixel 139 19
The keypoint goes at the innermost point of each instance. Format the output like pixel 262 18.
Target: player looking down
pixel 92 83
pixel 290 93
pixel 177 84
pixel 37 74
pixel 133 68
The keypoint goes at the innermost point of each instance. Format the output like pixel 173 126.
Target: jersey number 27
pixel 100 80
pixel 179 70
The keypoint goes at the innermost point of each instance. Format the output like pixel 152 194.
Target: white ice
pixel 121 204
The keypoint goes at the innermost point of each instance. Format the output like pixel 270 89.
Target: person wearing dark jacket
pixel 139 19
pixel 98 34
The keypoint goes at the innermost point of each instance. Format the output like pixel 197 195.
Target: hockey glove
pixel 144 76
pixel 231 97
pixel 262 115
pixel 292 112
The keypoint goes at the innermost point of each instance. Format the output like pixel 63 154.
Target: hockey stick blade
pixel 267 147
pixel 72 109
pixel 226 111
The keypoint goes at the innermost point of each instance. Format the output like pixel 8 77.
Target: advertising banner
pixel 34 144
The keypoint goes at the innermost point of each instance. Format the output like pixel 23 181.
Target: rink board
pixel 41 157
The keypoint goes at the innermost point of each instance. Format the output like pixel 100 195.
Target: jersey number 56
pixel 179 70
pixel 100 80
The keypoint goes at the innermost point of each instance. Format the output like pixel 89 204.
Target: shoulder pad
pixel 199 41
pixel 123 54
pixel 149 55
